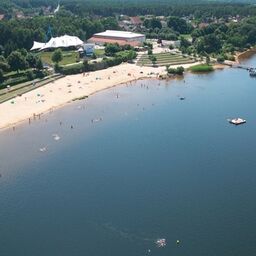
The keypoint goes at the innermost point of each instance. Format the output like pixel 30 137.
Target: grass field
pixel 69 57
pixel 186 36
pixel 99 52
pixel 14 74
pixel 163 59
pixel 201 68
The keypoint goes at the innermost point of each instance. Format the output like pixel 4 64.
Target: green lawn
pixel 163 59
pixel 201 68
pixel 15 73
pixel 186 36
pixel 69 57
pixel 99 52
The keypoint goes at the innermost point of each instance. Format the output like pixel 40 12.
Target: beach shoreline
pixel 245 54
pixel 54 95
pixel 32 105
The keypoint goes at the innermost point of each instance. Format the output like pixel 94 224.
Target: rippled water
pixel 152 167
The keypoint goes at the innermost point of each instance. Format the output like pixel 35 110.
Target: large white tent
pixel 37 46
pixel 58 42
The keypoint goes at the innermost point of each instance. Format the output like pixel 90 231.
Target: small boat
pixel 42 149
pixel 182 98
pixel 56 137
pixel 237 121
pixel 252 72
pixel 95 120
pixel 161 242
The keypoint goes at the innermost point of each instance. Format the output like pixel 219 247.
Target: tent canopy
pixel 58 42
pixel 37 46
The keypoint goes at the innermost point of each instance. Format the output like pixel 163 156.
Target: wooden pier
pixel 252 70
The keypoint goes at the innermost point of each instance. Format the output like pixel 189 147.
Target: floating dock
pixel 237 121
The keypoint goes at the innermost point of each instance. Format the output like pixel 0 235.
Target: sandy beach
pixel 64 90
pixel 244 55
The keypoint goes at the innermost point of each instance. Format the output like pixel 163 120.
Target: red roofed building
pixel 136 20
pixel 120 37
pixel 102 41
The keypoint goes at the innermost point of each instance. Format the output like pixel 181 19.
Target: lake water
pixel 153 167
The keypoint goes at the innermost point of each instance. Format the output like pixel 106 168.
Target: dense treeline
pixel 166 8
pixel 175 27
pixel 17 34
pixel 199 8
pixel 221 40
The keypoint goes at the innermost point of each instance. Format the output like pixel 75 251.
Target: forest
pixel 220 38
pixel 199 8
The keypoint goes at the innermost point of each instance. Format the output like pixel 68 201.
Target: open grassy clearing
pixel 186 36
pixel 14 74
pixel 69 57
pixel 163 59
pixel 99 52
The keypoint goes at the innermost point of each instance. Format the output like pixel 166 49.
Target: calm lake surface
pixel 153 167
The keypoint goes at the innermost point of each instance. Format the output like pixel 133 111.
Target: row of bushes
pixel 223 57
pixel 176 71
pixel 105 63
pixel 24 77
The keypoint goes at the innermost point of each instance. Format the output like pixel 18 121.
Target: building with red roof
pixel 120 37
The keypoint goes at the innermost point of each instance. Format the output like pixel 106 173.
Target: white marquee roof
pixel 58 42
pixel 121 34
pixel 37 46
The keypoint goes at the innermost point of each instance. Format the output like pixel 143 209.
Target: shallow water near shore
pixel 148 166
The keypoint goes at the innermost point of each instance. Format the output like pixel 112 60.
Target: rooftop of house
pixel 136 20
